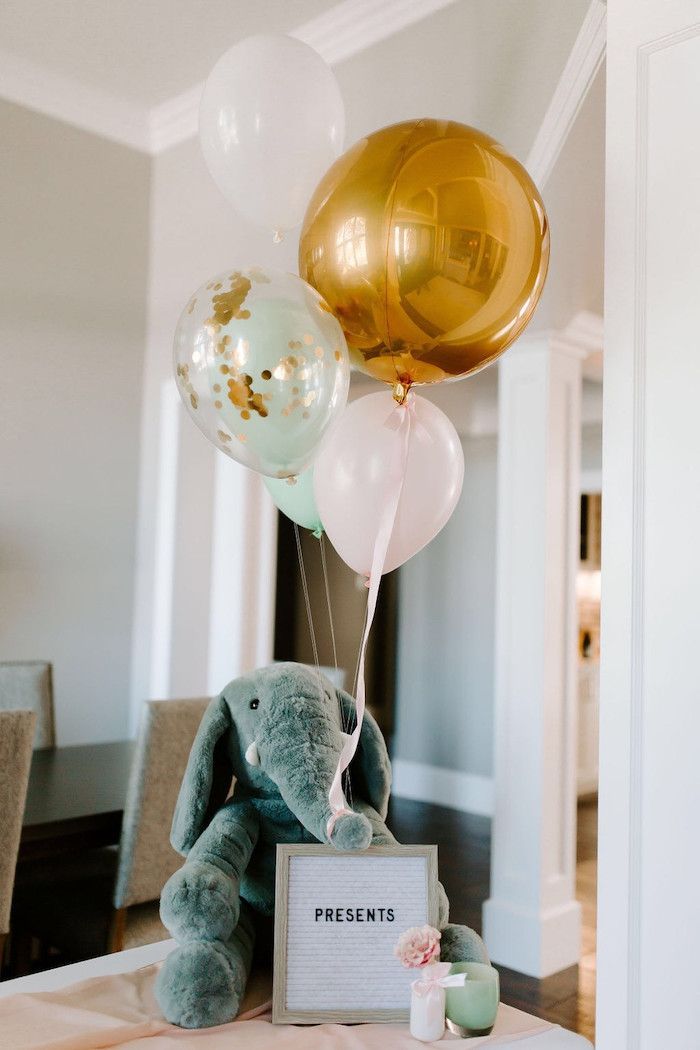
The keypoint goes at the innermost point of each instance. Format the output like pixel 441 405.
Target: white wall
pixel 74 251
pixel 194 234
pixel 446 625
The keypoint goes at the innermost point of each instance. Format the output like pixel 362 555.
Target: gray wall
pixel 74 251
pixel 446 627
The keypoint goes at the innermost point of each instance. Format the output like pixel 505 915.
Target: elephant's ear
pixel 207 779
pixel 370 770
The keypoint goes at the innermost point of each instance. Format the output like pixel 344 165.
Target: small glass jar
pixel 427 1014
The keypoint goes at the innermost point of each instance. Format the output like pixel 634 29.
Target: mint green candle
pixel 472 1007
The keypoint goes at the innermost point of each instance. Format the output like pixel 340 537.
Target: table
pixel 135 958
pixel 75 798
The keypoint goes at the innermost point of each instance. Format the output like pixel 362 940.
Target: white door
pixel 649 875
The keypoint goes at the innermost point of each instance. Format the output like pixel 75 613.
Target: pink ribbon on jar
pixel 434 977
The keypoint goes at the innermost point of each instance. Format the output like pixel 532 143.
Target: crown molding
pixel 73 103
pixel 583 63
pixel 354 25
pixel 174 121
pixel 345 30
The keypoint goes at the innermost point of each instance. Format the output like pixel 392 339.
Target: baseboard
pixel 538 944
pixel 443 787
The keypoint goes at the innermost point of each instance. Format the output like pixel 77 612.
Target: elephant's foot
pixel 200 903
pixel 201 984
pixel 460 944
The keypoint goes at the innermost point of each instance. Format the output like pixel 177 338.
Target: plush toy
pixel 279 732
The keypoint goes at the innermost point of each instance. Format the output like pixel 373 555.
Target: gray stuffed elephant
pixel 279 732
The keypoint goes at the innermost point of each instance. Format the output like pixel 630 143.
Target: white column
pixel 649 837
pixel 243 568
pixel 532 919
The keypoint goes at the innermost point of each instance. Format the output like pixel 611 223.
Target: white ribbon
pixel 437 976
pixel 399 420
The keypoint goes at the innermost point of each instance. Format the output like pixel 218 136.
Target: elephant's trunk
pixel 299 746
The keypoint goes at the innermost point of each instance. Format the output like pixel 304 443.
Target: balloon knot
pixel 367 581
pixel 318 532
pixel 400 391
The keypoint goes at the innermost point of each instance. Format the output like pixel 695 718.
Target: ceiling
pixel 141 51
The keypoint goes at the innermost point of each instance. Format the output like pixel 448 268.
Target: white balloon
pixel 271 122
pixel 356 473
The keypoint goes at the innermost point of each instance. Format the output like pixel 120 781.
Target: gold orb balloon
pixel 430 244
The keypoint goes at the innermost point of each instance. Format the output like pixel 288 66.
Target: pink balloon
pixel 356 471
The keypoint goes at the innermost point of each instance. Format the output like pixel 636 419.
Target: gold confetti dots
pixel 305 414
pixel 183 375
pixel 242 438
pixel 217 388
pixel 228 304
pixel 308 338
pixel 241 394
pixel 309 398
pixel 295 389
pixel 319 351
pixel 295 344
pixel 224 369
pixel 267 374
pixel 288 409
pixel 285 368
pixel 338 355
pixel 217 404
pixel 267 397
pixel 223 436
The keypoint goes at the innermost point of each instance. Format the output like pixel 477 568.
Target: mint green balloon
pixel 262 367
pixel 295 498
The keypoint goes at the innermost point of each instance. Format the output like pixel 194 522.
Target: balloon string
pixel 336 796
pixel 307 602
pixel 328 599
pixel 345 721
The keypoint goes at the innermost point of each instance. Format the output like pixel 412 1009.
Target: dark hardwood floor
pixel 464 842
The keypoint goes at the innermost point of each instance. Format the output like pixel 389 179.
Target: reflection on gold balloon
pixel 430 244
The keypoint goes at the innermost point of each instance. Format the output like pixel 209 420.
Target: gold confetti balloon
pixel 262 367
pixel 430 244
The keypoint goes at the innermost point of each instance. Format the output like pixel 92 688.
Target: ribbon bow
pixel 435 977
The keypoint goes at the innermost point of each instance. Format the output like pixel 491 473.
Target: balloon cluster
pixel 423 254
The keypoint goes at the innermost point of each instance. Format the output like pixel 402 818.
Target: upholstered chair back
pixel 16 734
pixel 146 858
pixel 27 685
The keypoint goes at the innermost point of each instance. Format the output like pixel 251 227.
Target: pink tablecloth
pixel 120 1011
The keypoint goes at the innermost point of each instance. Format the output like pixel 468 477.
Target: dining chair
pixel 28 685
pixel 16 733
pixel 106 900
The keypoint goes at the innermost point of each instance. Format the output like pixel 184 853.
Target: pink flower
pixel 418 946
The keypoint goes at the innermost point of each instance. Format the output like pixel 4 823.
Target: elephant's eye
pixel 254 704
